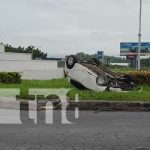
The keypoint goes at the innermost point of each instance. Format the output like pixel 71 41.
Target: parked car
pixel 91 76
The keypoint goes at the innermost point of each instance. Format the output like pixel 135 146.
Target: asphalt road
pixel 92 131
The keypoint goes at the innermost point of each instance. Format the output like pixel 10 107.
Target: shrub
pixel 139 77
pixel 10 77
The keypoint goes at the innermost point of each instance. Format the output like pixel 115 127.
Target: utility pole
pixel 139 36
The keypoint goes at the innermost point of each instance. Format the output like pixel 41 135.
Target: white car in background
pixel 91 76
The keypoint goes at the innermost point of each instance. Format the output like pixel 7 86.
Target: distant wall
pixel 43 74
pixel 33 69
pixel 28 68
pixel 120 64
pixel 2 48
pixel 15 56
pixel 20 66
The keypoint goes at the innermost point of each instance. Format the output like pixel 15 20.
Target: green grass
pixel 83 95
pixel 26 84
pixel 111 96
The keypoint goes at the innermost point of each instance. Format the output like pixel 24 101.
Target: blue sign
pixel 128 48
pixel 100 56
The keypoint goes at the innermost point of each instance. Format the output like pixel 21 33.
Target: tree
pixel 36 53
pixel 84 57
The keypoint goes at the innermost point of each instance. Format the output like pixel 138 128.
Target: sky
pixel 64 27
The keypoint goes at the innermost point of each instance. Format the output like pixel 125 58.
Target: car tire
pixel 100 81
pixel 70 62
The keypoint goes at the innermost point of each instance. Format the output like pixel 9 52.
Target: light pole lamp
pixel 139 36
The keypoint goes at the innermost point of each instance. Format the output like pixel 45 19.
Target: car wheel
pixel 100 81
pixel 70 62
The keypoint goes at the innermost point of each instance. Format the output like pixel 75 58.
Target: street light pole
pixel 139 35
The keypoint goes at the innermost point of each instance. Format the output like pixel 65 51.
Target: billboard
pixel 129 48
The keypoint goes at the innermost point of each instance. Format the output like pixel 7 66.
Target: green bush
pixel 10 77
pixel 139 77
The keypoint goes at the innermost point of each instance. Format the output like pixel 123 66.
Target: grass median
pixel 143 96
pixel 25 85
pixel 83 94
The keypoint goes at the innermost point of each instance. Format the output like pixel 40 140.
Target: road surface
pixel 92 131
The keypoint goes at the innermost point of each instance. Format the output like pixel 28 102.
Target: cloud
pixel 69 26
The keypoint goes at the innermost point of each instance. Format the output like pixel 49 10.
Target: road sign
pixel 132 48
pixel 100 56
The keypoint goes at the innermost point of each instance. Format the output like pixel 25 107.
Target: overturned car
pixel 90 75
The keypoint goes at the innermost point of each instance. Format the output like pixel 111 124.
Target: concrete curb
pixel 110 106
pixel 96 106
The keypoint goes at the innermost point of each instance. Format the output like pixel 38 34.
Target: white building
pixel 28 68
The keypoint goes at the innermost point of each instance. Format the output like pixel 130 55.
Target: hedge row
pixel 139 77
pixel 10 77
